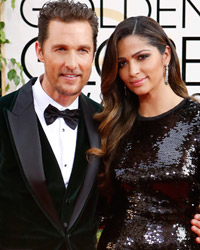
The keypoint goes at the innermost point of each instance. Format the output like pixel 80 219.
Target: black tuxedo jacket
pixel 30 216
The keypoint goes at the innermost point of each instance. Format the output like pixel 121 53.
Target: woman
pixel 150 132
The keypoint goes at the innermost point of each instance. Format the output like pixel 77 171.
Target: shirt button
pixel 65 165
pixel 65 225
pixel 63 130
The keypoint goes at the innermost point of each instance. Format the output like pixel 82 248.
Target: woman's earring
pixel 167 74
pixel 125 92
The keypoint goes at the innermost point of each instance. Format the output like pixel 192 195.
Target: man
pixel 48 194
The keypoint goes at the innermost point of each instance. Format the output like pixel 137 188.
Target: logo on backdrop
pixel 110 17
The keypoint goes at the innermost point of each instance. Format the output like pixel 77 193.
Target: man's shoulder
pixel 8 100
pixel 98 107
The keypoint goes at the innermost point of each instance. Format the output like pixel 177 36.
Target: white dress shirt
pixel 61 137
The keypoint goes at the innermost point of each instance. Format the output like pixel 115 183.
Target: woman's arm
pixel 196 226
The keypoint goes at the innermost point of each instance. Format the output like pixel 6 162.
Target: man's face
pixel 67 55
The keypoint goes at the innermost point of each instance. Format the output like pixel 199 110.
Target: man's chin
pixel 70 92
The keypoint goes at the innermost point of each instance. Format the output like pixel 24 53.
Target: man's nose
pixel 71 61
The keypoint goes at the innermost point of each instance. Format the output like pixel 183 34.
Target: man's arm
pixel 196 226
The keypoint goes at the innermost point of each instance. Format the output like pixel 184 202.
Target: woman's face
pixel 141 66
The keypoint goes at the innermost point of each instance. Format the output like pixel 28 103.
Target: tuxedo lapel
pixel 22 123
pixel 93 162
pixel 89 111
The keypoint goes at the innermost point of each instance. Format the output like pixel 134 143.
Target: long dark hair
pixel 120 110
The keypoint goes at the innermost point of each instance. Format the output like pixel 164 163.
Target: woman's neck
pixel 156 104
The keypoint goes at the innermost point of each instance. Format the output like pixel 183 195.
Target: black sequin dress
pixel 158 169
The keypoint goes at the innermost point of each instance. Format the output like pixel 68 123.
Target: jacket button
pixel 65 225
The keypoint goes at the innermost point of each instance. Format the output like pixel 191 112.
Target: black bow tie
pixel 70 116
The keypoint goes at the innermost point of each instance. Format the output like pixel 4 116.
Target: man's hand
pixel 196 226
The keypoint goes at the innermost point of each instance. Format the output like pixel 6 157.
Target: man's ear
pixel 39 51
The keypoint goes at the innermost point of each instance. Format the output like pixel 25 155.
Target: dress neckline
pixel 143 118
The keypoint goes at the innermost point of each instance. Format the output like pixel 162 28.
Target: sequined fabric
pixel 158 169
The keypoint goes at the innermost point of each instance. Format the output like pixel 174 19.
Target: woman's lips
pixel 137 82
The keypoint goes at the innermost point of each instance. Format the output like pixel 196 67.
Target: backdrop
pixel 179 18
